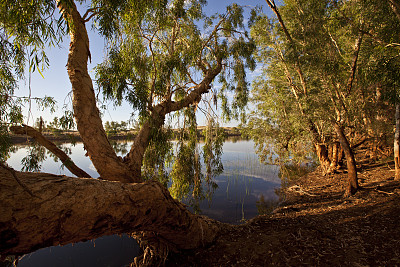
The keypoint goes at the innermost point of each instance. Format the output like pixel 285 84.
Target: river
pixel 245 189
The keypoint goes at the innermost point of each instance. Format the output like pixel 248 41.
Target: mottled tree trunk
pixel 351 163
pixel 334 157
pixel 67 210
pixel 323 158
pixel 397 143
pixel 86 113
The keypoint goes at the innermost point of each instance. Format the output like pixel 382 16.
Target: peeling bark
pixel 323 158
pixel 86 113
pixel 65 159
pixel 351 163
pixel 334 158
pixel 69 210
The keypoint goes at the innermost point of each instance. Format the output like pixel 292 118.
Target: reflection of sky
pixel 49 165
pixel 107 251
pixel 244 180
pixel 236 197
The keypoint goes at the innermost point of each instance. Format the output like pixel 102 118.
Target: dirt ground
pixel 317 226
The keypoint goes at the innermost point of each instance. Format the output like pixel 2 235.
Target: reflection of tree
pixel 120 147
pixel 34 159
pixel 66 148
pixel 266 206
pixel 291 172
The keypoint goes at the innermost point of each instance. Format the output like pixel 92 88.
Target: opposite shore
pixel 73 136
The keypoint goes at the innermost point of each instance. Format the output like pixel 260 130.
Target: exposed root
pixel 299 190
pixel 155 250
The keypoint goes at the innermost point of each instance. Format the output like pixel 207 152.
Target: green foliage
pixel 27 28
pixel 32 162
pixel 155 58
pixel 65 122
pixel 186 173
pixel 214 138
pixel 158 54
pixel 115 127
pixel 5 143
pixel 307 79
pixel 158 156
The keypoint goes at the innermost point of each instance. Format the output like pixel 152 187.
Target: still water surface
pixel 243 188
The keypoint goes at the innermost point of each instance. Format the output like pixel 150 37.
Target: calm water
pixel 244 189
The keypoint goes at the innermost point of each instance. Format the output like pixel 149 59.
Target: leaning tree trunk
pixel 86 113
pixel 59 210
pixel 351 163
pixel 397 143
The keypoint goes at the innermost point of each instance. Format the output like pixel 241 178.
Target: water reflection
pixel 107 251
pixel 245 189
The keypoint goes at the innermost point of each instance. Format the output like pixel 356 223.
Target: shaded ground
pixel 316 226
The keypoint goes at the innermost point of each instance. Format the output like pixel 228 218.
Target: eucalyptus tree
pixel 315 55
pixel 161 62
pixel 23 38
pixel 385 37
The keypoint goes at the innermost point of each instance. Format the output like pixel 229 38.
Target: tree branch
pixel 195 95
pixel 65 159
pixel 71 210
pixel 86 113
pixel 395 5
pixel 274 8
pixel 357 48
pixel 90 10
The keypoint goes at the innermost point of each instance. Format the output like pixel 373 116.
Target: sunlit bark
pixel 323 158
pixel 334 157
pixel 67 210
pixel 351 163
pixel 86 113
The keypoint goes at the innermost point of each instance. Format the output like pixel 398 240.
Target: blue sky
pixel 56 83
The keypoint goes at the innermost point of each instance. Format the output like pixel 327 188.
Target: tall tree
pixel 395 5
pixel 318 57
pixel 162 63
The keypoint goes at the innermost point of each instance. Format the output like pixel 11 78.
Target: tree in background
pixel 318 58
pixel 114 127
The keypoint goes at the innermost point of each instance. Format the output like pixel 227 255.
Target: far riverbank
pixel 73 136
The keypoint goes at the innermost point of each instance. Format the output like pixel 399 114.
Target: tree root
pixel 155 250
